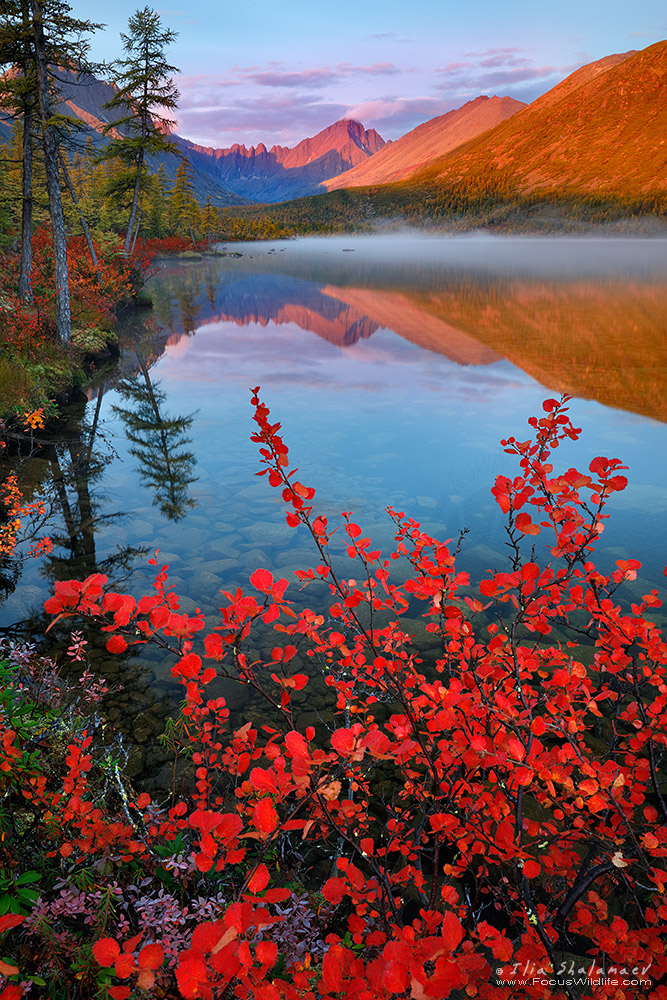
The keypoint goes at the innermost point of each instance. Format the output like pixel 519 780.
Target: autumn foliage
pixel 490 820
pixel 96 291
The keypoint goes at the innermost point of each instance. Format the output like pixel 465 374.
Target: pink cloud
pixel 511 69
pixel 500 60
pixel 394 116
pixel 516 75
pixel 273 76
pixel 453 67
pixel 308 77
pixel 281 120
pixel 377 69
pixel 492 53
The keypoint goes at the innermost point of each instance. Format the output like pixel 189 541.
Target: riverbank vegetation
pixel 480 200
pixel 78 221
pixel 484 816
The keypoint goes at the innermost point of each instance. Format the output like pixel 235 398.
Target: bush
pixel 487 821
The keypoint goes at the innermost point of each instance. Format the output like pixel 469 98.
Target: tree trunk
pixel 63 320
pixel 84 224
pixel 135 202
pixel 25 274
pixel 136 228
pixel 25 283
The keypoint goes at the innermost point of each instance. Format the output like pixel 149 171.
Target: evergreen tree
pixel 18 100
pixel 184 214
pixel 37 37
pixel 156 211
pixel 210 222
pixel 145 93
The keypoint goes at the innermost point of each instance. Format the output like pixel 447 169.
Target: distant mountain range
pixel 602 129
pixel 280 173
pixel 406 156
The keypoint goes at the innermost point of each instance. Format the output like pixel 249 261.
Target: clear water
pixel 395 366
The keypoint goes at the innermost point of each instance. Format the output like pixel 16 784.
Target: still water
pixel 395 366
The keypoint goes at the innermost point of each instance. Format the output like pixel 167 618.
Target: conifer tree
pixel 18 100
pixel 184 214
pixel 37 37
pixel 210 222
pixel 145 96
pixel 156 209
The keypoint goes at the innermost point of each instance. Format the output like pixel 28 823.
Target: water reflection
pixel 581 317
pixel 67 474
pixel 158 442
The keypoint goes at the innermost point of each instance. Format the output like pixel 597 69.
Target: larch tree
pixel 145 96
pixel 184 214
pixel 36 37
pixel 210 222
pixel 18 101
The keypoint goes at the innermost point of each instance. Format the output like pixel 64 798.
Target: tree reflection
pixel 177 299
pixel 75 466
pixel 159 442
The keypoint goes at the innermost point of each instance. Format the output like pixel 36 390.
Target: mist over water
pixel 420 257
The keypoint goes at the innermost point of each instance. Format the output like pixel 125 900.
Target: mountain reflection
pixel 587 331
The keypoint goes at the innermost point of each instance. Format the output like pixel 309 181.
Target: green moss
pixel 15 386
pixel 93 340
pixel 144 300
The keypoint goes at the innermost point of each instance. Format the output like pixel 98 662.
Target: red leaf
pixel 331 968
pixel 259 880
pixel 10 920
pixel 207 935
pixel 267 952
pixel 106 951
pixel 265 817
pixel 12 992
pixel 151 956
pixel 451 931
pixel 333 890
pixel 395 976
pixel 125 965
pixel 525 525
pixel 191 974
pixel 531 869
pixel 116 644
pixel 343 741
pixel 262 579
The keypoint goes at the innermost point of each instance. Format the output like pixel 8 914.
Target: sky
pixel 276 72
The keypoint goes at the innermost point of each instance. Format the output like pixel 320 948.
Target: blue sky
pixel 264 70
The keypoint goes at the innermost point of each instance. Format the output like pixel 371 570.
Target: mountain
pixel 603 129
pixel 281 173
pixel 413 151
pixel 236 175
pixel 83 97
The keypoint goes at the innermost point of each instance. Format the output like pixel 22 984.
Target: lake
pixel 395 365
